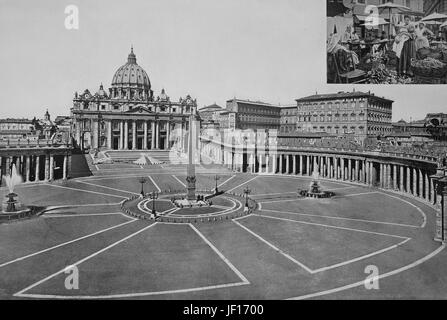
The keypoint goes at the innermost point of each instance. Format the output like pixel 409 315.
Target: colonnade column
pixel 267 163
pixel 415 180
pixel 408 190
pixel 259 163
pixel 301 164
pixel 421 184
pixel 37 168
pixel 307 164
pixel 64 169
pixel 294 164
pixel 427 186
pixel 349 169
pixel 28 168
pixel 47 167
pixel 287 164
pixel 401 178
pixel 51 168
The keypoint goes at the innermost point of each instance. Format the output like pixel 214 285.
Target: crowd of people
pixel 349 50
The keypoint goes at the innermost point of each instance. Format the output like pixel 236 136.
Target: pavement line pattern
pixel 328 226
pixel 361 257
pixel 232 267
pixel 82 215
pixel 153 181
pixel 301 199
pixel 18 294
pixel 341 218
pixel 314 271
pixel 181 182
pixel 230 178
pixel 424 216
pixel 65 243
pixel 381 276
pixel 88 191
pixel 274 247
pixel 105 187
pixel 242 184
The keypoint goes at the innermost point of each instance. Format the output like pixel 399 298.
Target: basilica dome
pixel 131 75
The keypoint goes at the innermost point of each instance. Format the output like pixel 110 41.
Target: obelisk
pixel 191 168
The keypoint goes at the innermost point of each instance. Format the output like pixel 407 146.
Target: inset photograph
pixel 380 42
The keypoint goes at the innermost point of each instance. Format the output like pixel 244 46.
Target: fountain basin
pixel 318 195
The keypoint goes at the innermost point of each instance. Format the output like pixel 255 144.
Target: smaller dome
pixel 101 92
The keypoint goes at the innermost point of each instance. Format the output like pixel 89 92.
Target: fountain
pixel 11 204
pixel 315 190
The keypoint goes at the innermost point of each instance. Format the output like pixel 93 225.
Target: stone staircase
pixel 160 156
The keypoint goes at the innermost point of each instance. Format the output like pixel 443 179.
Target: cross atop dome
pixel 132 58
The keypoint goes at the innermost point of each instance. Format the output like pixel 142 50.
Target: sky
pixel 214 50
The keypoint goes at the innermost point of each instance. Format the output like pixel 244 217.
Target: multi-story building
pixel 246 114
pixel 210 113
pixel 358 114
pixel 11 128
pixel 129 116
pixel 432 128
pixel 288 119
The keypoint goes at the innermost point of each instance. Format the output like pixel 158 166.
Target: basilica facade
pixel 129 116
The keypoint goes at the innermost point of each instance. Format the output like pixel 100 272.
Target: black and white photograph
pixel 387 42
pixel 193 151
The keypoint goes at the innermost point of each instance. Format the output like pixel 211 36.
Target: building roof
pixel 303 134
pixel 212 107
pixel 340 95
pixel 258 103
pixel 16 120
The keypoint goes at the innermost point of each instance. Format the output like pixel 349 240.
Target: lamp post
pixel 247 191
pixel 153 196
pixel 216 178
pixel 142 180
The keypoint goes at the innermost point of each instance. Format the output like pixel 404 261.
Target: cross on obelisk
pixel 191 168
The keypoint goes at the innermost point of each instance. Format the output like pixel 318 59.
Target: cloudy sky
pixel 272 51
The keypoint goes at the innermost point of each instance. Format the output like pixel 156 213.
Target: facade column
pixel 134 134
pixel 259 163
pixel 153 135
pixel 37 168
pixel 145 135
pixel 47 167
pixel 274 160
pixel 121 141
pixel 27 168
pixel 109 134
pixel 157 135
pixel 168 135
pixel 307 164
pixel 65 167
pixel 126 135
